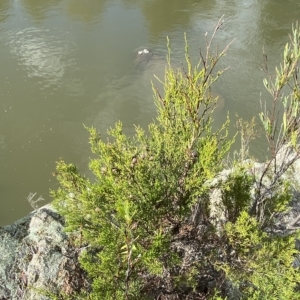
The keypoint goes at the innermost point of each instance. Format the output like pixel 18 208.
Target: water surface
pixel 65 63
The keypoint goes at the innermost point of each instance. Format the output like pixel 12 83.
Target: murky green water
pixel 65 63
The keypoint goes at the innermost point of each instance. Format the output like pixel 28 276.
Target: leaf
pixel 284 121
pixel 266 83
pixel 124 247
pixel 294 139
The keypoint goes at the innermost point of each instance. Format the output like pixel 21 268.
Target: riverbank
pixel 37 255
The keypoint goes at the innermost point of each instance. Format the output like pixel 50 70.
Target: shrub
pixel 145 219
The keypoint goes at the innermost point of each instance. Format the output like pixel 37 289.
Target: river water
pixel 65 63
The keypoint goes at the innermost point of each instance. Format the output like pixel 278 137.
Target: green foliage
pixel 262 267
pixel 146 185
pixel 236 193
pixel 281 134
pixel 287 131
pixel 134 216
pixel 260 264
pixel 61 295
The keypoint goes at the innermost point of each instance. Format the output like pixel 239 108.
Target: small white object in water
pixel 145 51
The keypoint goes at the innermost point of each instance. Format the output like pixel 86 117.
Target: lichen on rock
pixel 38 257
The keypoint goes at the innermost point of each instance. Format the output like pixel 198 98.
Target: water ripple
pixel 41 54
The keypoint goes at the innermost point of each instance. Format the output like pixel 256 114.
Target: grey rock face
pixel 37 255
pixel 285 222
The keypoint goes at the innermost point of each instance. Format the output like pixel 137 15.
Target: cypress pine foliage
pixel 145 185
pixel 131 217
pixel 261 265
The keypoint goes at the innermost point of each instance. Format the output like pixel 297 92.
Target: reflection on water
pixel 37 9
pixel 65 63
pixel 4 6
pixel 87 10
pixel 41 54
pixel 275 23
pixel 161 16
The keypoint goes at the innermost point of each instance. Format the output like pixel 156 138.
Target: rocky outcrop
pixel 287 168
pixel 37 257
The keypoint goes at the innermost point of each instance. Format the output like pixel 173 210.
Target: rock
pixel 38 256
pixel 285 222
pixel 145 51
pixel 143 57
